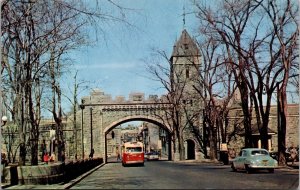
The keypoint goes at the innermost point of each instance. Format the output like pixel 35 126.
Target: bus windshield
pixel 133 149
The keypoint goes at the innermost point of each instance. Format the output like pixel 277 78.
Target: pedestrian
pixel 52 157
pixel 63 156
pixel 44 150
pixel 92 153
pixel 118 154
pixel 46 157
pixel 294 154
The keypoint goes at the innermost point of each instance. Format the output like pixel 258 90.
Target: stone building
pixel 235 133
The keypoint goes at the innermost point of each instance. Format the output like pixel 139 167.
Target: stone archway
pixel 190 150
pixel 117 123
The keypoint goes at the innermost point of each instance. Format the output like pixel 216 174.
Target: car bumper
pixel 262 167
pixel 134 162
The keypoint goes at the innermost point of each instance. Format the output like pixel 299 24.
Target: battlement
pixel 99 97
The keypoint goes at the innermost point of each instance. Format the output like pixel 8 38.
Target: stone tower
pixel 186 63
pixel 186 66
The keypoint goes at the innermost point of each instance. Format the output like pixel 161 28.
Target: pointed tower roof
pixel 185 46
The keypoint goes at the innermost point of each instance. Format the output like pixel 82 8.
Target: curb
pixel 78 179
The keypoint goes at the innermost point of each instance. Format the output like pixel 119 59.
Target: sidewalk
pixel 54 186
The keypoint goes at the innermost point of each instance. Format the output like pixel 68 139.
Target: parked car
pixel 250 159
pixel 152 156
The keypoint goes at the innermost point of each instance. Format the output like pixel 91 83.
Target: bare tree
pixel 255 51
pixel 231 25
pixel 78 87
pixel 285 34
pixel 166 75
pixel 216 91
pixel 36 35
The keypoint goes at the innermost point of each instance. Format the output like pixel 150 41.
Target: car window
pixel 240 153
pixel 244 153
pixel 259 152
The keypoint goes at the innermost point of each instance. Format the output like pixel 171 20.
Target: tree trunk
pixel 281 127
pixel 247 115
pixel 212 142
pixel 181 147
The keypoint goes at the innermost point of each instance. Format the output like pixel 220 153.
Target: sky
pixel 115 63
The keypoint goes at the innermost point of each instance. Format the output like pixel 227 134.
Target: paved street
pixel 183 175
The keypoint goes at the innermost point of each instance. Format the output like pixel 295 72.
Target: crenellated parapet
pixel 99 97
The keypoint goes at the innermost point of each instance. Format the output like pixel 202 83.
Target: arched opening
pixel 190 149
pixel 121 131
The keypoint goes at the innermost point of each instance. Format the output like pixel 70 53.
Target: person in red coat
pixel 46 157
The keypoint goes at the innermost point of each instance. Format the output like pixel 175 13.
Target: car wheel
pixel 248 170
pixel 271 170
pixel 232 167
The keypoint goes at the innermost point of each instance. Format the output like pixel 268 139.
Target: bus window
pixel 134 149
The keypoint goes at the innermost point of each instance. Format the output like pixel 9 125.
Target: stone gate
pixel 100 113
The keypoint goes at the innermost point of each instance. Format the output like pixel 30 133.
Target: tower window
pixel 187 73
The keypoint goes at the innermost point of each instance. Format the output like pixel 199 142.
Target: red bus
pixel 132 153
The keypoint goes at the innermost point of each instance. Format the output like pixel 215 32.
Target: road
pixel 185 175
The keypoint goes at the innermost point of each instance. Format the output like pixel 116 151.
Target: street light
pixel 145 137
pixel 82 145
pixel 4 120
pixel 91 113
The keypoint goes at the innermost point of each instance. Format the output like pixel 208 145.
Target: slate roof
pixel 185 46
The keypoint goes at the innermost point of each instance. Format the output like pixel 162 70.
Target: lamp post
pixel 4 120
pixel 91 114
pixel 145 138
pixel 82 145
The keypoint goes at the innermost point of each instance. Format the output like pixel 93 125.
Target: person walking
pixel 92 153
pixel 46 157
pixel 294 154
pixel 118 154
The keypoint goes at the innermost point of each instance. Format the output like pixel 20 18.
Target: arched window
pixel 187 73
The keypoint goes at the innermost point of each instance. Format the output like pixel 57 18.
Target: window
pixel 259 152
pixel 187 73
pixel 186 46
pixel 244 153
pixel 134 149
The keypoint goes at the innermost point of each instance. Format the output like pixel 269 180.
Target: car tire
pixel 232 167
pixel 248 170
pixel 271 170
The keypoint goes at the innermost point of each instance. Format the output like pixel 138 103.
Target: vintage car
pixel 152 156
pixel 250 159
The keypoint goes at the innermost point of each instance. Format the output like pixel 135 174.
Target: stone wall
pixel 48 173
pixel 235 132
